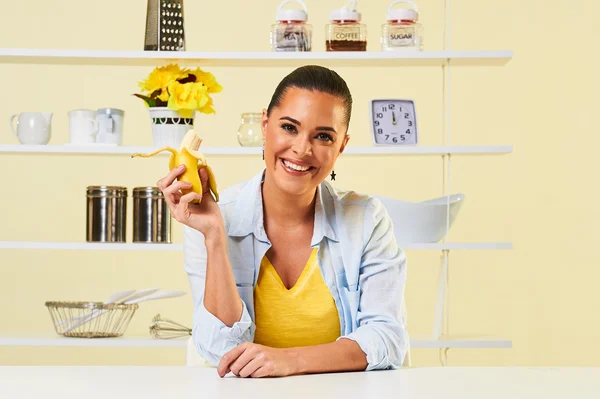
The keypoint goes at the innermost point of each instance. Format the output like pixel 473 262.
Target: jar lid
pixel 146 192
pixel 406 14
pixel 291 14
pixel 252 115
pixel 346 13
pixel 402 14
pixel 107 191
pixel 341 14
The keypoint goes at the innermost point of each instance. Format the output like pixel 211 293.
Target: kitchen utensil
pixel 164 26
pixel 118 296
pixel 151 217
pixel 134 299
pixel 32 127
pixel 139 294
pixel 111 320
pixel 168 329
pixel 110 126
pixel 157 295
pixel 83 126
pixel 106 214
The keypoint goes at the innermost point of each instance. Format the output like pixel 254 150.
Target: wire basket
pixel 90 319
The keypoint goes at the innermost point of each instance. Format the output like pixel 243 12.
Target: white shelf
pixel 468 246
pixel 457 342
pixel 373 150
pixel 460 342
pixel 59 340
pixel 89 246
pixel 82 246
pixel 226 58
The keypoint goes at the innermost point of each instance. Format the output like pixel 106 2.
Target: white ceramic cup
pixel 32 127
pixel 82 126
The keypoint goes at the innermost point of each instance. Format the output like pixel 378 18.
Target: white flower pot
pixel 168 127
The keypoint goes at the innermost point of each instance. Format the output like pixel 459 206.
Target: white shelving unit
pixel 444 59
pixel 128 150
pixel 464 342
pixel 225 58
pixel 88 246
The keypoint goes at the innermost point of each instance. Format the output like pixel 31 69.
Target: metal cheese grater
pixel 164 26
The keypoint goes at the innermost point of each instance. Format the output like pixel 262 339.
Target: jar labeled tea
pixel 345 32
pixel 291 32
pixel 402 31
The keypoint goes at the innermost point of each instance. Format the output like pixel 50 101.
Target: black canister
pixel 106 213
pixel 151 216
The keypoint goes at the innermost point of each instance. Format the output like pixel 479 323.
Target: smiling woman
pixel 289 275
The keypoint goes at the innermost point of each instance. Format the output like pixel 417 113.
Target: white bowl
pixel 421 222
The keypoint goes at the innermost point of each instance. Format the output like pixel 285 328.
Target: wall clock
pixel 393 122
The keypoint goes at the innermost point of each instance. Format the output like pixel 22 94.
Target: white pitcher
pixel 32 127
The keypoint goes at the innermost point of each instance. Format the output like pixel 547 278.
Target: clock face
pixel 393 122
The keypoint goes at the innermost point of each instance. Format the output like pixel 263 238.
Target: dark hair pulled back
pixel 314 78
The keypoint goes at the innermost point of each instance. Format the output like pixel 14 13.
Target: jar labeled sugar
pixel 291 32
pixel 402 31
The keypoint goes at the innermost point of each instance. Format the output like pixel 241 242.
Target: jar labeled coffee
pixel 345 32
pixel 291 32
pixel 402 31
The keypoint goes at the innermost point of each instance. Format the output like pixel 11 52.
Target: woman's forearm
pixel 342 355
pixel 221 297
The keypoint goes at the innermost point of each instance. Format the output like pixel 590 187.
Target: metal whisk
pixel 168 329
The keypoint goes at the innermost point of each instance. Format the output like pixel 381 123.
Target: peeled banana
pixel 193 160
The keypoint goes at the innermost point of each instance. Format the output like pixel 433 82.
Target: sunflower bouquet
pixel 182 90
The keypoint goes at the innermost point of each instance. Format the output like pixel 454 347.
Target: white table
pixel 198 383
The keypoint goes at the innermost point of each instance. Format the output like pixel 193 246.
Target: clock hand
pixel 393 118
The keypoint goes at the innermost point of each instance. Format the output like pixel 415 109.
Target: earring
pixel 333 175
pixel 263 150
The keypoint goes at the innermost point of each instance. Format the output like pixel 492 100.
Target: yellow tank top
pixel 304 315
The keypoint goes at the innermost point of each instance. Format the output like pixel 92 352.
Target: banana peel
pixel 193 160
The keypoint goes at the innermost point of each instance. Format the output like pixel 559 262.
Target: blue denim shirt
pixel 359 260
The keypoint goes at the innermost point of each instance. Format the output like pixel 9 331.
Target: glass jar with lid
pixel 250 132
pixel 291 32
pixel 345 32
pixel 402 31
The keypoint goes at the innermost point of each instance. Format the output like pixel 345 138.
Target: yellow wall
pixel 541 197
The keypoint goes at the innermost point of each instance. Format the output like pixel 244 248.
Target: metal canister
pixel 106 213
pixel 151 216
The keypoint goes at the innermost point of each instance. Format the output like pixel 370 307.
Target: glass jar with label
pixel 402 32
pixel 250 133
pixel 345 32
pixel 291 32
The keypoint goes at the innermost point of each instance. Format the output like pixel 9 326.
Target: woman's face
pixel 303 137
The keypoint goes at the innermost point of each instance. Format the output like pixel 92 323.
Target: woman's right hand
pixel 205 216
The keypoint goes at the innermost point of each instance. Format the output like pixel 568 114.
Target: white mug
pixel 83 126
pixel 32 127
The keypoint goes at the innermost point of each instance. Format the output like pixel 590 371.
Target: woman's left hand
pixel 254 360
